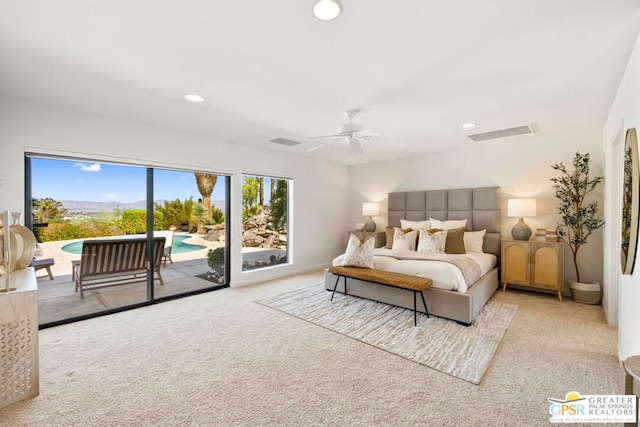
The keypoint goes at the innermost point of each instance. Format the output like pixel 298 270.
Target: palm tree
pixel 206 182
pixel 47 209
pixel 261 193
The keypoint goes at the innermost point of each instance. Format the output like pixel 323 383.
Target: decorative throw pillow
pixel 359 254
pixel 404 241
pixel 473 240
pixel 416 225
pixel 448 224
pixel 390 233
pixel 432 241
pixel 455 241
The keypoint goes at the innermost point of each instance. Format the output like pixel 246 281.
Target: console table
pixel 19 362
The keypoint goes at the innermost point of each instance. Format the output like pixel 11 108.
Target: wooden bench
pixel 415 284
pixel 46 263
pixel 112 262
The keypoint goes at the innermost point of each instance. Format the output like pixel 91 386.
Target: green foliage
pixel 176 212
pixel 199 216
pixel 578 218
pixel 279 202
pixel 217 216
pixel 134 221
pixel 216 262
pixel 47 209
pixel 66 231
pixel 250 190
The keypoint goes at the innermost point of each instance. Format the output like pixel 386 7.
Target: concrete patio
pixel 58 299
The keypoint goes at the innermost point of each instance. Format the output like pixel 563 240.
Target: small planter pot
pixel 585 292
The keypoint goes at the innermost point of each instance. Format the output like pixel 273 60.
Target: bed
pixel 453 295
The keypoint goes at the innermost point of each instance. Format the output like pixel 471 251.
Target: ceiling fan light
pixel 327 10
pixel 356 147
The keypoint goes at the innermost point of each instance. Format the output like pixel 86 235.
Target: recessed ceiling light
pixel 327 10
pixel 469 125
pixel 194 97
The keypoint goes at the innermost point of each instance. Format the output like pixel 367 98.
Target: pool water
pixel 179 246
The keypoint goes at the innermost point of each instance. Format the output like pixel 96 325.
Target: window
pixel 265 221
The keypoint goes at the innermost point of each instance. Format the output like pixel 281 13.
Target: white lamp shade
pixel 520 208
pixel 370 209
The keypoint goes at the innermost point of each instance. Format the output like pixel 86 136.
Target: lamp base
pixel 370 225
pixel 521 231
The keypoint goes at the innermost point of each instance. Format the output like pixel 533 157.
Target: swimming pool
pixel 179 246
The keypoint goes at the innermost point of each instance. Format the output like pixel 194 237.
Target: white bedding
pixel 444 275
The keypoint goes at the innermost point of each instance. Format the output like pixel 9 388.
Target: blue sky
pixel 100 182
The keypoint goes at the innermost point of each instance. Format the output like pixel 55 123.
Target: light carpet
pixel 464 352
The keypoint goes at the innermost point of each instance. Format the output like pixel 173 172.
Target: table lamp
pixel 370 209
pixel 520 208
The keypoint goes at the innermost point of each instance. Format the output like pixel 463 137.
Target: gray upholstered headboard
pixel 479 206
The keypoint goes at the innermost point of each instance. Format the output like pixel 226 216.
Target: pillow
pixel 449 224
pixel 455 241
pixel 389 240
pixel 432 241
pixel 359 254
pixel 416 225
pixel 473 240
pixel 404 241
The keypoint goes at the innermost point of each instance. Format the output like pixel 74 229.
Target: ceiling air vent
pixel 284 141
pixel 502 133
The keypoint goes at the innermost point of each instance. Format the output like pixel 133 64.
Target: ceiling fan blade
pixel 323 136
pixel 369 133
pixel 317 147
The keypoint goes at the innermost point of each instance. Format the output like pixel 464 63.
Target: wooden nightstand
pixel 533 264
pixel 380 236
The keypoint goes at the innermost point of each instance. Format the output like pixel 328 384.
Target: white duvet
pixel 444 274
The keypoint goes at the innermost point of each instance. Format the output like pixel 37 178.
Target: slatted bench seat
pixel 415 284
pixel 111 262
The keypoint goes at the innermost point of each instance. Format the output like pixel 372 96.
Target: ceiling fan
pixel 350 132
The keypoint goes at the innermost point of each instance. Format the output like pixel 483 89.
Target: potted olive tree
pixel 578 219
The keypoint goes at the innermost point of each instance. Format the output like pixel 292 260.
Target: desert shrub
pixel 67 231
pixel 134 221
pixel 216 261
pixel 175 212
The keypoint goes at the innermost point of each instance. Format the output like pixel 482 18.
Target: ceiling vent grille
pixel 502 133
pixel 284 141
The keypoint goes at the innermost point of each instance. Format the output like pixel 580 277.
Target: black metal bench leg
pixel 334 288
pixel 425 305
pixel 415 310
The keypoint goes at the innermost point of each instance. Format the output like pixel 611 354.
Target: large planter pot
pixel 585 292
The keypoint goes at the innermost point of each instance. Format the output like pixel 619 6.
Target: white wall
pixel 320 188
pixel 521 166
pixel 624 114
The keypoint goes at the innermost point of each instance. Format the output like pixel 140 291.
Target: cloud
pixel 93 167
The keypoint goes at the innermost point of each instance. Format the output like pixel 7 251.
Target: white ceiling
pixel 418 69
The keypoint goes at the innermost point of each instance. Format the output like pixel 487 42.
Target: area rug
pixel 464 352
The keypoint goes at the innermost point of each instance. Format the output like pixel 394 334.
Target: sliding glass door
pixel 71 201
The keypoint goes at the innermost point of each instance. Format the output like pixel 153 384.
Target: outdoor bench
pixel 112 262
